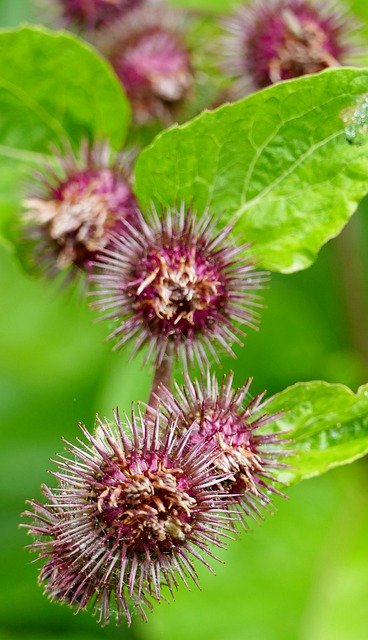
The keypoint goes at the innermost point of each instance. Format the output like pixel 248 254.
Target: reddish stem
pixel 353 286
pixel 162 377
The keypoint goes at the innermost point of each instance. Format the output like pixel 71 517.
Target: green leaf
pixel 327 424
pixel 53 88
pixel 278 161
pixel 209 6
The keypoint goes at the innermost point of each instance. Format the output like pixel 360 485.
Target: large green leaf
pixel 279 161
pixel 327 424
pixel 53 88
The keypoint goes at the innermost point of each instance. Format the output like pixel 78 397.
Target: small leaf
pixel 278 161
pixel 54 88
pixel 327 424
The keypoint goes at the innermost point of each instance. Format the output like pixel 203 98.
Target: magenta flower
pixel 222 417
pixel 74 206
pixel 273 40
pixel 148 52
pixel 128 516
pixel 177 285
pixel 93 14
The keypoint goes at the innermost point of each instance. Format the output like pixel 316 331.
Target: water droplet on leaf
pixel 355 119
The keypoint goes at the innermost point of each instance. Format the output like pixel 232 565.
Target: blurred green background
pixel 302 575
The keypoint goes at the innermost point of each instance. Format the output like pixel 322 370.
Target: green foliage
pixel 327 425
pixel 278 161
pixel 54 88
pixel 215 6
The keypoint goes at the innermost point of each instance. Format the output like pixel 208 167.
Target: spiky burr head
pixel 174 283
pixel 272 40
pixel 150 55
pixel 73 205
pixel 94 14
pixel 132 509
pixel 232 422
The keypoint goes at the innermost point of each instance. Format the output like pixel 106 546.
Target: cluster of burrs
pixel 144 498
pixel 147 496
pixel 161 57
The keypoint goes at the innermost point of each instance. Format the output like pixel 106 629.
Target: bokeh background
pixel 302 575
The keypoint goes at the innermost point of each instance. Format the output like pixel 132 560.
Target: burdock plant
pixel 148 50
pixel 89 15
pixel 272 40
pixel 222 417
pixel 175 283
pixel 176 251
pixel 134 506
pixel 74 204
pixel 144 498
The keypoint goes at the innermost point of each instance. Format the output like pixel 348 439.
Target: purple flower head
pixel 93 14
pixel 149 54
pixel 222 417
pixel 273 40
pixel 130 513
pixel 75 204
pixel 177 285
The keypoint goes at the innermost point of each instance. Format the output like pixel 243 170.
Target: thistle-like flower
pixel 177 285
pixel 94 14
pixel 222 417
pixel 148 51
pixel 131 512
pixel 273 40
pixel 74 205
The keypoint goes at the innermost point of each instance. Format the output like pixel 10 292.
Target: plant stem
pixel 162 377
pixel 351 268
